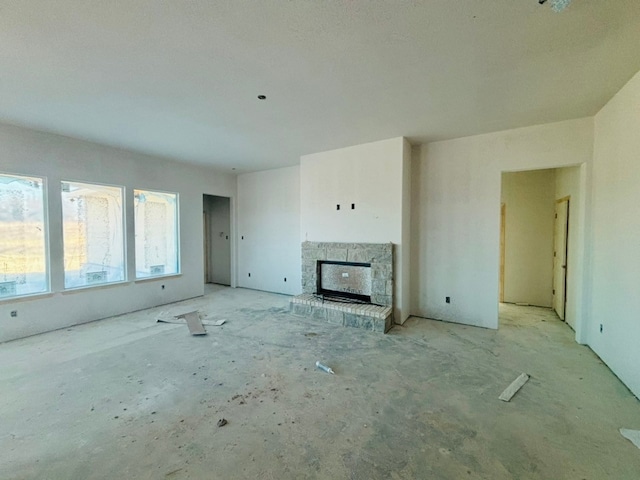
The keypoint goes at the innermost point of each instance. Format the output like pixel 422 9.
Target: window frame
pixel 178 271
pixel 125 261
pixel 45 228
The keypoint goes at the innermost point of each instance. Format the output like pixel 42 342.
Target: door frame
pixel 503 223
pixel 564 266
pixel 208 241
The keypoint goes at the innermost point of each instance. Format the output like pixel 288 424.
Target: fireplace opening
pixel 347 281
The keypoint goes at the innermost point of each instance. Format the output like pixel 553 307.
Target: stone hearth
pixel 370 317
pixel 377 316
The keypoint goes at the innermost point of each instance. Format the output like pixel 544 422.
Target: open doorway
pixel 217 239
pixel 537 238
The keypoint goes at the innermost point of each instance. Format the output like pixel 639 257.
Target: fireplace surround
pixel 362 276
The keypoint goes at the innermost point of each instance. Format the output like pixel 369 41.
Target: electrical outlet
pixel 447 299
pixel 14 313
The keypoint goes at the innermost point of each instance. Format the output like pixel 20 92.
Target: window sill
pixel 26 298
pixel 156 278
pixel 93 287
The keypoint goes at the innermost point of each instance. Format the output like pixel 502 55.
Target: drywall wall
pixel 568 184
pixel 529 199
pixel 58 158
pixel 457 213
pixel 218 254
pixel 371 177
pixel 614 233
pixel 269 230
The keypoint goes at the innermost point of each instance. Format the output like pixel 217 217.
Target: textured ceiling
pixel 180 78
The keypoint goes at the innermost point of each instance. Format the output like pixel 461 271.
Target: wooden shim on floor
pixel 194 323
pixel 512 389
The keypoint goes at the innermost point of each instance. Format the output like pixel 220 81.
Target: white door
pixel 560 256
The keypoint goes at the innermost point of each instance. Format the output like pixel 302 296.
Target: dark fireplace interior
pixel 346 281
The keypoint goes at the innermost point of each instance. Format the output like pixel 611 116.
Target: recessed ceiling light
pixel 262 97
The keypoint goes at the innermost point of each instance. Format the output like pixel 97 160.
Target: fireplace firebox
pixel 344 280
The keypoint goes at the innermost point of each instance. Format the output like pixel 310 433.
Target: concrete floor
pixel 128 398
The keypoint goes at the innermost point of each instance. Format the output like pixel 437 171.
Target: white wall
pixel 457 213
pixel 269 230
pixel 615 230
pixel 58 158
pixel 568 184
pixel 529 199
pixel 372 177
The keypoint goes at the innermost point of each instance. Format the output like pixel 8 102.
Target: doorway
pixel 216 218
pixel 561 256
pixel 541 239
pixel 526 237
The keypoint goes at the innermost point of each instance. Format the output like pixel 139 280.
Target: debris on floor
pixel 632 435
pixel 222 422
pixel 515 386
pixel 193 319
pixel 195 324
pixel 324 368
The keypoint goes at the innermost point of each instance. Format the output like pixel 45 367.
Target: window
pixel 23 251
pixel 157 246
pixel 93 231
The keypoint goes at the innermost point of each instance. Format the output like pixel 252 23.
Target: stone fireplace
pixel 348 284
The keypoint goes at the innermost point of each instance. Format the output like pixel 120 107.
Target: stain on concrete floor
pixel 129 398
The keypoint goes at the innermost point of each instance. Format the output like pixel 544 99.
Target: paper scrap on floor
pixel 632 435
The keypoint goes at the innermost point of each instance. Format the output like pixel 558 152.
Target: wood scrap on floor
pixel 512 389
pixel 194 323
pixel 192 319
pixel 180 318
pixel 181 321
pixel 632 435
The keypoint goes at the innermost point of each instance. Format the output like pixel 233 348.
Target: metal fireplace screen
pixel 344 279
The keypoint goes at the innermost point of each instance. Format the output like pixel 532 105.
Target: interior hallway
pixel 129 398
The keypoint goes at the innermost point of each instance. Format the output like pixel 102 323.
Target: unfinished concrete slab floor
pixel 128 398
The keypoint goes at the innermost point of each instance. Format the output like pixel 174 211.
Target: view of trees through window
pixel 23 251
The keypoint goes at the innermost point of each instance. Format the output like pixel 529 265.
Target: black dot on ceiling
pixel 262 97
